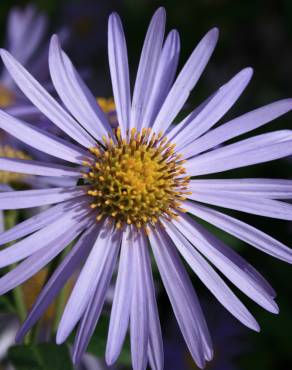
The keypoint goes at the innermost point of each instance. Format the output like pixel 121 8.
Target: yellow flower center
pixel 109 107
pixel 137 180
pixel 7 97
pixel 7 177
pixel 106 104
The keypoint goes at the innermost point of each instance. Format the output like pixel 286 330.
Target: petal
pixel 36 222
pixel 2 224
pixel 263 188
pixel 182 297
pixel 175 129
pixel 211 279
pixel 35 198
pixel 46 237
pixel 186 81
pixel 155 345
pixel 119 69
pixel 218 105
pixel 238 126
pixel 242 231
pixel 93 311
pixel 257 206
pixel 37 168
pixel 26 27
pixel 38 260
pixel 164 77
pixel 86 284
pixel 74 93
pixel 147 67
pixel 44 101
pixel 258 149
pixel 57 281
pixel 21 111
pixel 120 312
pixel 139 318
pixel 41 140
pixel 233 267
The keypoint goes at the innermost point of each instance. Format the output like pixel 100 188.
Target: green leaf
pixel 6 305
pixel 44 356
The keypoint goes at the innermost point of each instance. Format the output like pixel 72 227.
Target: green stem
pixel 60 303
pixel 19 303
pixel 11 220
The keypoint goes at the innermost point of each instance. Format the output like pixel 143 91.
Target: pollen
pixel 106 104
pixel 7 97
pixel 109 107
pixel 7 177
pixel 136 180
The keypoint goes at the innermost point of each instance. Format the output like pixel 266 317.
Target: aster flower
pixel 136 192
pixel 27 27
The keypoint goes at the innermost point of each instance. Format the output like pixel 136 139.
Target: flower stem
pixel 19 303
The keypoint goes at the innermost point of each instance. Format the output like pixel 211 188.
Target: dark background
pixel 252 33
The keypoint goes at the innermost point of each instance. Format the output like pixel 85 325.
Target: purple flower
pixel 26 27
pixel 136 191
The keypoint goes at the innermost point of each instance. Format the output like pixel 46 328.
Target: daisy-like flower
pixel 24 27
pixel 136 192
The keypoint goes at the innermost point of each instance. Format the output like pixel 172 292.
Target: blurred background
pixel 252 33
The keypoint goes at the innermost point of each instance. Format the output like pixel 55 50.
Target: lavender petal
pixel 74 93
pixel 120 312
pixel 38 260
pixel 37 168
pixel 164 77
pixel 262 188
pixel 93 311
pixel 257 206
pixel 211 279
pixel 139 317
pixel 41 140
pixel 45 102
pixel 45 237
pixel 54 285
pixel 86 284
pixel 182 296
pixel 119 69
pixel 218 105
pixel 258 149
pixel 186 81
pixel 238 126
pixel 242 231
pixel 147 67
pixel 36 222
pixel 35 198
pixel 231 265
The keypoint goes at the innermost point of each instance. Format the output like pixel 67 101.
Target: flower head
pixel 136 189
pixel 25 27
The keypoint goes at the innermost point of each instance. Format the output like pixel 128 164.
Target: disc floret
pixel 137 180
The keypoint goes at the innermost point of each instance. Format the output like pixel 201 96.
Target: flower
pixel 136 189
pixel 25 27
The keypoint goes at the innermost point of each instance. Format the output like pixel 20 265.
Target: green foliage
pixel 45 356
pixel 6 305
